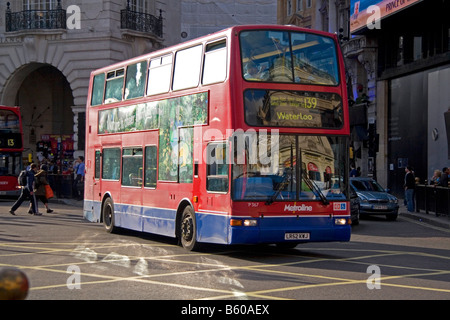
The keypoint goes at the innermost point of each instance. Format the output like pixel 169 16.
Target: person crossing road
pixel 27 193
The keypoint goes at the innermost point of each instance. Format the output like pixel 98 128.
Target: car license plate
pixel 380 207
pixel 296 236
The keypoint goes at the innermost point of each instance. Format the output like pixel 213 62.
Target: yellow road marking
pixel 265 294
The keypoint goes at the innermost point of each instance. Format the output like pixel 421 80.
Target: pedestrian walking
pixel 39 186
pixel 27 192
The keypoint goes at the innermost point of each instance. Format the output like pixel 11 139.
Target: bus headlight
pixel 340 221
pixel 245 222
pixel 250 223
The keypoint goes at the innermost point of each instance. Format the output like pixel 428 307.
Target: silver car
pixel 374 200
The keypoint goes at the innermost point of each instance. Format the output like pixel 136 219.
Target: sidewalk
pixel 442 221
pixel 67 201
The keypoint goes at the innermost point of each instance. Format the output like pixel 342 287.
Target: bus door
pixel 131 184
pixel 93 187
pixel 214 207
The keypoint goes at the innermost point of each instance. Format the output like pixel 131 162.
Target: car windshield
pixel 366 185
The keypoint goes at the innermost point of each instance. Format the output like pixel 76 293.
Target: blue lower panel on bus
pixel 159 221
pixel 212 228
pixel 153 220
pixel 290 229
pixel 215 228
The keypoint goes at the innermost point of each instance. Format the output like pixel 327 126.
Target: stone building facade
pixel 49 48
pixel 398 75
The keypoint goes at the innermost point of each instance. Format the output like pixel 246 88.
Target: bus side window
pixel 132 167
pixel 185 155
pixel 150 167
pixel 98 87
pixel 111 164
pixel 217 167
pixel 114 86
pixel 135 80
pixel 97 164
pixel 159 75
pixel 215 64
pixel 187 68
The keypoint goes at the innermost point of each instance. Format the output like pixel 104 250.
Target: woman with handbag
pixel 41 187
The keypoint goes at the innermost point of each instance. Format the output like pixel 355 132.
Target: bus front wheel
pixel 108 215
pixel 188 229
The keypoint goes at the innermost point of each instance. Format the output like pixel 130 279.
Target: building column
pixel 382 100
pixel 79 130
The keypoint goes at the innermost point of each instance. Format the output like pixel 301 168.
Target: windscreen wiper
pixel 315 188
pixel 286 180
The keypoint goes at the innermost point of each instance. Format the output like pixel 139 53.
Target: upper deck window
pixel 159 75
pixel 188 63
pixel 135 83
pixel 114 86
pixel 289 57
pixel 9 122
pixel 98 88
pixel 10 133
pixel 215 64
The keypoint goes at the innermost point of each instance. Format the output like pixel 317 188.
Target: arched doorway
pixel 46 101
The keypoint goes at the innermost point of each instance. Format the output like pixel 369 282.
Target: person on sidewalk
pixel 410 185
pixel 78 184
pixel 39 186
pixel 444 178
pixel 27 193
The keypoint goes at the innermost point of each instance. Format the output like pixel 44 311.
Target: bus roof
pixel 209 37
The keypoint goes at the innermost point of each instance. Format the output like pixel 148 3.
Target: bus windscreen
pixel 289 57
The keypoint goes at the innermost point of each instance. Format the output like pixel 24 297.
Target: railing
pixel 142 22
pixel 433 199
pixel 62 185
pixel 35 19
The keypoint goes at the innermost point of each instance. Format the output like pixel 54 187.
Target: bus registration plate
pixel 296 236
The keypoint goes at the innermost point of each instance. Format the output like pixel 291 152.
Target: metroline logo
pixel 294 208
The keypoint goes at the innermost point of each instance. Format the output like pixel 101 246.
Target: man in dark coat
pixel 27 192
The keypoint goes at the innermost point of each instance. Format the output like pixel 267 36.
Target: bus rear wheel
pixel 188 229
pixel 108 215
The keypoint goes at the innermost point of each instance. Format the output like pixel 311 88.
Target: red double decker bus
pixel 238 137
pixel 11 148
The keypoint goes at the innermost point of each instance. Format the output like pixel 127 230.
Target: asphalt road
pixel 68 258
